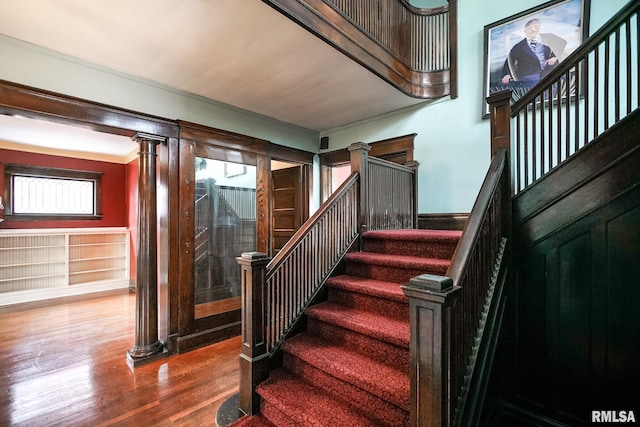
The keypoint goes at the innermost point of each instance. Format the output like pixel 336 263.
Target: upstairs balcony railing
pixel 412 48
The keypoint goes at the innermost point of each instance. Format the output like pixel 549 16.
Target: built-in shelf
pixel 38 264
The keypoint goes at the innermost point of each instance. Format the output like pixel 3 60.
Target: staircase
pixel 351 365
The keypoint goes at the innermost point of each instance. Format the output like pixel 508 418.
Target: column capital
pixel 359 146
pixel 147 137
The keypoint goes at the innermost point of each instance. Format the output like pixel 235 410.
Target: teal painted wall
pixel 452 142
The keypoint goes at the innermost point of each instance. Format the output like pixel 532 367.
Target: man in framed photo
pixel 533 57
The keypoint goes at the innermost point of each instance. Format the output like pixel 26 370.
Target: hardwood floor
pixel 63 364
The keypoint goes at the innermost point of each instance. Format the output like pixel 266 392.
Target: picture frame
pixel 562 26
pixel 234 169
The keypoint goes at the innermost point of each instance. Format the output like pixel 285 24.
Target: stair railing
pixel 594 87
pixel 412 48
pixel 275 292
pixel 453 318
pixel 241 202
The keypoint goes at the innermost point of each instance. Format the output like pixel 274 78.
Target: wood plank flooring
pixel 63 364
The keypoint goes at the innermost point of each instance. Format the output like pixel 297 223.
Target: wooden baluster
pixel 254 357
pixel 431 301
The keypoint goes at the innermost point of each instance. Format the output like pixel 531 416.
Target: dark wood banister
pixel 276 292
pixel 471 233
pixel 576 102
pixel 317 216
pixel 453 318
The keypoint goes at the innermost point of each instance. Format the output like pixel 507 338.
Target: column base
pixel 141 355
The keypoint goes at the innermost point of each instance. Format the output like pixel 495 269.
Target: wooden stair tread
pixel 379 379
pixel 370 324
pixel 377 288
pixel 312 406
pixel 399 261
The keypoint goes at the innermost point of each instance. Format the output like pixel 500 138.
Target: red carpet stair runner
pixel 350 368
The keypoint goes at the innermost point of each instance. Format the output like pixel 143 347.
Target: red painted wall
pixel 132 214
pixel 114 188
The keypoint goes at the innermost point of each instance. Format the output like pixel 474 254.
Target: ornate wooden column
pixel 147 347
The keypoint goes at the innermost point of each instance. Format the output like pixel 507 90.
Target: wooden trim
pixel 11 169
pixel 400 146
pixel 222 139
pixel 288 154
pixel 443 221
pixel 339 31
pixel 381 149
pixel 16 99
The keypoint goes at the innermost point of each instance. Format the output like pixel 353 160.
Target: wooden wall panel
pixel 576 324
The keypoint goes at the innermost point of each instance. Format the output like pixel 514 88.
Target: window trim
pixel 11 169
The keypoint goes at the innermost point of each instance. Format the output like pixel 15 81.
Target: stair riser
pixel 441 250
pixel 381 411
pixel 392 309
pixel 388 273
pixel 389 354
pixel 274 415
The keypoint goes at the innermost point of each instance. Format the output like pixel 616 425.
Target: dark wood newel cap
pixel 253 255
pixel 499 96
pixel 432 282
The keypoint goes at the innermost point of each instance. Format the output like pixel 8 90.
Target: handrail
pixel 314 219
pixel 585 48
pixel 293 280
pixel 475 267
pixel 276 292
pixel 471 234
pixel 448 313
pixel 594 87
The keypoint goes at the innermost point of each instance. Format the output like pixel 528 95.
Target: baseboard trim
pixel 526 416
pixel 442 221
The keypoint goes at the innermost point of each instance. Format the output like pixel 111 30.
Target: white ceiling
pixel 239 52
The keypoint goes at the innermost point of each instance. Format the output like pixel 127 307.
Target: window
pixel 42 193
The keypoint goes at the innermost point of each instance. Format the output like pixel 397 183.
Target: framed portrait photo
pixel 521 49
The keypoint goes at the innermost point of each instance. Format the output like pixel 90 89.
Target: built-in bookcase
pixel 45 263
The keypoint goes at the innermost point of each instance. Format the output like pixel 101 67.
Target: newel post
pixel 431 300
pixel 254 357
pixel 359 153
pixel 500 117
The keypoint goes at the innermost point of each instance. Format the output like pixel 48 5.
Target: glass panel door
pixel 225 226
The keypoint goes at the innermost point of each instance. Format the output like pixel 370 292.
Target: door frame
pixel 186 331
pixel 398 150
